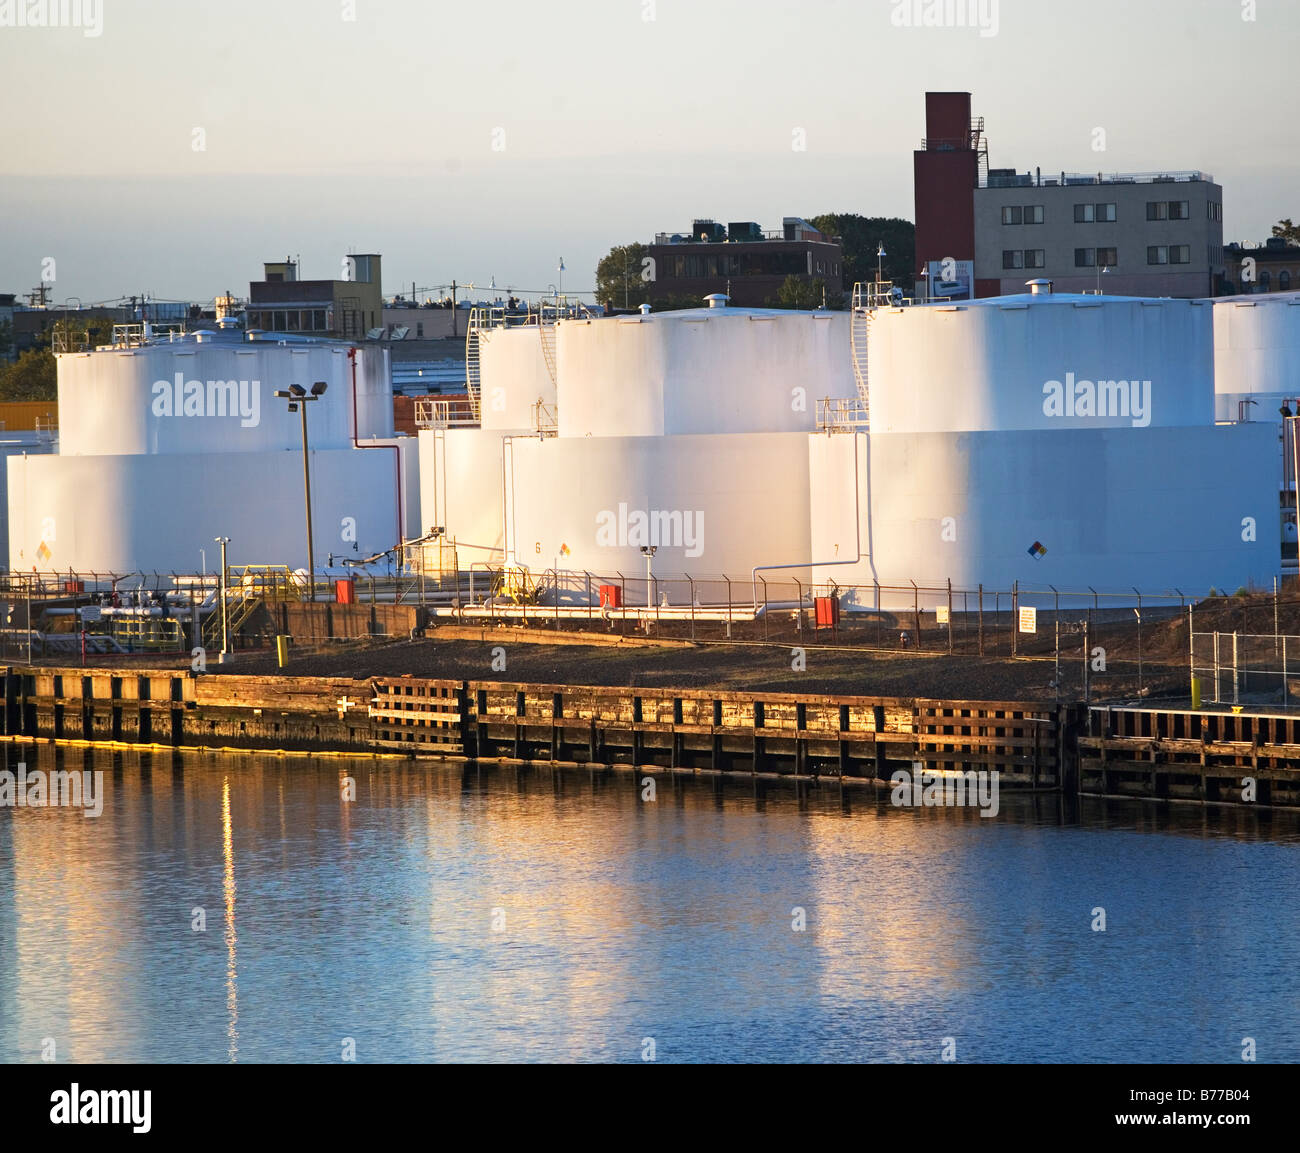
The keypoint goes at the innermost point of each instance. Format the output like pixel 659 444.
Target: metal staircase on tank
pixel 859 338
pixel 479 319
pixel 547 318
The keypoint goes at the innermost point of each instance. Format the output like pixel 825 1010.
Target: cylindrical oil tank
pixel 515 376
pixel 1256 355
pixel 697 371
pixel 214 394
pixel 1041 362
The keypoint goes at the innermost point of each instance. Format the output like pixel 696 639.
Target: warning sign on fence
pixel 1028 620
pixel 941 615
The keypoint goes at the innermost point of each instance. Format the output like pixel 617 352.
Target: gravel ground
pixel 747 664
pixel 743 667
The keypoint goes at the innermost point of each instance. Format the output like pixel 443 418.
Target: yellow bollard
pixel 282 651
pixel 1196 692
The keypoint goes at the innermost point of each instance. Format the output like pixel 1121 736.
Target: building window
pixel 419 330
pixel 1284 281
pixel 1035 258
pixel 1157 254
pixel 1157 210
pixel 1085 213
pixel 1180 254
pixel 1011 214
pixel 1106 213
pixel 1013 259
pixel 1033 214
pixel 1265 281
pixel 1107 257
pixel 1085 258
pixel 1179 210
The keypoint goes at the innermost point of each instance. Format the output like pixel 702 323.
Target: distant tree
pixel 1287 231
pixel 31 377
pixel 96 328
pixel 796 292
pixel 862 237
pixel 619 277
pixel 676 301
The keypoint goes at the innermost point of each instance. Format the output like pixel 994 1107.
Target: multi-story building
pixel 1145 234
pixel 1131 234
pixel 1273 266
pixel 742 260
pixel 346 308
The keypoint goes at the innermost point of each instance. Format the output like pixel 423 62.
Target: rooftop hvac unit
pixel 744 230
pixel 708 231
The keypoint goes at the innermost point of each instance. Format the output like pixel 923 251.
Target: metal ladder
pixel 477 322
pixel 859 337
pixel 546 330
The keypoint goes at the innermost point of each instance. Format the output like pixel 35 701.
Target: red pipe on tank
pixel 397 452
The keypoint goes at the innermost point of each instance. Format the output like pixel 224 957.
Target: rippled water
pixel 520 914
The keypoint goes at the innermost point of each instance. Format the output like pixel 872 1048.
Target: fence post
pixel 1087 665
pixel 728 580
pixel 1015 613
pixel 766 630
pixel 1275 618
pixel 1286 688
pixel 916 612
pixel 1217 696
pixel 981 620
pixel 798 588
pixel 1235 674
pixel 1139 643
pixel 691 593
pixel 1191 646
pixel 950 614
pixel 880 619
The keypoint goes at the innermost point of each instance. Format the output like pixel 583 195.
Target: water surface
pixel 496 913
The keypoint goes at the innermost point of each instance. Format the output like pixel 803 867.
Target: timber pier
pixel 1135 751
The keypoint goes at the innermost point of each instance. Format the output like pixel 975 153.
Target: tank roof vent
pixel 1039 287
pixel 717 299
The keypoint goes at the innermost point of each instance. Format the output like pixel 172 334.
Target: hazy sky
pixel 473 139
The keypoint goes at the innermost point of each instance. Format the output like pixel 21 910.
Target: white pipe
pixel 857 531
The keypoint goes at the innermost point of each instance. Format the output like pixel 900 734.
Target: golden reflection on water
pixel 228 887
pixel 617 911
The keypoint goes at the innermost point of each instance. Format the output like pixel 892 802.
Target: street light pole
pixel 225 621
pixel 298 397
pixel 649 550
pixel 306 485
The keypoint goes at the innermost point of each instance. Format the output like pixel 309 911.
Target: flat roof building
pixel 744 261
pixel 1154 233
pixel 346 309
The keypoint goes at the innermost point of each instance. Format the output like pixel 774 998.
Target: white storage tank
pixel 213 393
pixel 1256 355
pixel 696 371
pixel 514 378
pixel 1041 361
